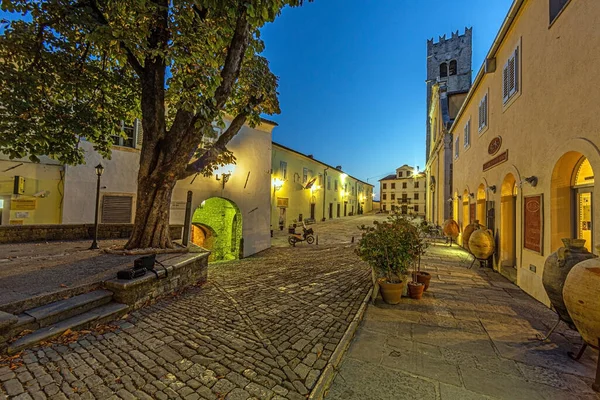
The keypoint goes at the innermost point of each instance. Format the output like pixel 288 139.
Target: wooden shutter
pixel 117 209
pixel 485 110
pixel 505 81
pixel 138 136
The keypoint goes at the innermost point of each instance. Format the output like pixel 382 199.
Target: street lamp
pixel 99 171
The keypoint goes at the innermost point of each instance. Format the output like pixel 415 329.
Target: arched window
pixel 452 68
pixel 443 70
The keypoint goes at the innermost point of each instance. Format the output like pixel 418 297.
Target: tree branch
pixel 211 154
pixel 233 61
pixel 131 58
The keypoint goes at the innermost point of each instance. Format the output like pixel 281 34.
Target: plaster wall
pixel 43 184
pixel 552 113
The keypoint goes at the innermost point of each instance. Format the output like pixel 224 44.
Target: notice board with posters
pixel 533 223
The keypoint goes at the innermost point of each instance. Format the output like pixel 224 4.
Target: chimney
pixel 310 156
pixel 338 167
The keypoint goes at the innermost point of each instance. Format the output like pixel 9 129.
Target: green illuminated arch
pixel 224 219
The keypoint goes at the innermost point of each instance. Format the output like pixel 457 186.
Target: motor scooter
pixel 307 236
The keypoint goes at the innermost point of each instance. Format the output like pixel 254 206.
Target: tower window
pixel 452 68
pixel 443 70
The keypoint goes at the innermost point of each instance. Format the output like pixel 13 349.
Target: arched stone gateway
pixel 217 226
pixel 571 204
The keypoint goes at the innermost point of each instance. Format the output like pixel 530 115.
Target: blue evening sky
pixel 352 75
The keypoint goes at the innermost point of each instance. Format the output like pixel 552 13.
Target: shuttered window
pixel 510 76
pixel 483 113
pixel 467 139
pixel 456 143
pixel 117 209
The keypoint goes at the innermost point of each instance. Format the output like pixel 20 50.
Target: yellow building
pixel 404 192
pixel 308 189
pixel 526 140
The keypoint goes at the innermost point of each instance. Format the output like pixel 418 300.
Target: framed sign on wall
pixel 533 223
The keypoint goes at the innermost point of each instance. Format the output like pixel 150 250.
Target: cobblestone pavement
pixel 261 328
pixel 468 338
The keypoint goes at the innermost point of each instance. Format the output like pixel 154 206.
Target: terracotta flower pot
pixel 391 292
pixel 424 278
pixel 415 290
pixel 557 267
pixel 580 294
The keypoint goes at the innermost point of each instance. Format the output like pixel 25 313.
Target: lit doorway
pixel 572 200
pixel 219 228
pixel 508 227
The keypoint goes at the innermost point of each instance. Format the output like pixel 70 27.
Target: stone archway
pixel 466 219
pixel 218 224
pixel 571 202
pixel 508 227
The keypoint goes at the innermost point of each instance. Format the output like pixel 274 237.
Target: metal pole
pixel 94 245
pixel 187 219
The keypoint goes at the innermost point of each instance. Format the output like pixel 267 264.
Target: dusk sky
pixel 352 76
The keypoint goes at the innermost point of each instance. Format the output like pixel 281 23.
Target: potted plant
pixel 422 276
pixel 390 248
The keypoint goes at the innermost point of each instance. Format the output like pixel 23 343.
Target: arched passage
pixel 571 203
pixel 217 226
pixel 480 211
pixel 508 224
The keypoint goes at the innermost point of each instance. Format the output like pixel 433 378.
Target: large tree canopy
pixel 74 69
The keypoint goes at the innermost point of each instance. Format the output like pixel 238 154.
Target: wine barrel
pixel 450 228
pixel 557 267
pixel 581 298
pixel 481 243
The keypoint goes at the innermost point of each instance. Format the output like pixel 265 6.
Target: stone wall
pixel 185 270
pixel 34 233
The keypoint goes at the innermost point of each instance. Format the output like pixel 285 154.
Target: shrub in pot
pixel 390 248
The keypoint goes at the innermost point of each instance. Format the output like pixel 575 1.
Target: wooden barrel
pixel 468 231
pixel 581 297
pixel 450 228
pixel 481 243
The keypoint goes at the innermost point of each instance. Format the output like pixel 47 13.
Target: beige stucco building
pixel 404 192
pixel 231 210
pixel 304 188
pixel 526 141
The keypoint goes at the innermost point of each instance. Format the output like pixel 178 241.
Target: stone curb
pixel 330 370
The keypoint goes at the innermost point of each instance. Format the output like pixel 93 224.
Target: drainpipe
pixel 324 190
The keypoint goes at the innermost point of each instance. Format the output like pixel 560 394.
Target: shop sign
pixel 494 145
pixel 282 202
pixel 499 159
pixel 22 204
pixel 533 227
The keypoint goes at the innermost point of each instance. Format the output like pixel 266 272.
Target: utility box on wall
pixel 19 187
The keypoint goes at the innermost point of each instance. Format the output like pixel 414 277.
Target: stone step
pixel 60 310
pixel 103 313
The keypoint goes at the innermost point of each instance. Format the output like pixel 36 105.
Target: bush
pixel 390 247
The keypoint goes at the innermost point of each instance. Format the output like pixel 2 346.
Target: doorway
pixel 312 211
pixel 282 214
pixel 330 210
pixel 219 228
pixel 508 223
pixel 345 208
pixel 338 210
pixel 572 200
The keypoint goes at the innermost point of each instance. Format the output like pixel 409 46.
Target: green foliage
pixel 71 70
pixel 390 247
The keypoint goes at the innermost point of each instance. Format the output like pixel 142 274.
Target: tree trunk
pixel 151 226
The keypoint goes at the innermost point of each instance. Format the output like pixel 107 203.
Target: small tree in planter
pixel 390 248
pixel 422 276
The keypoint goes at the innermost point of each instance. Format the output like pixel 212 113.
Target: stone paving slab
pixel 468 338
pixel 263 327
